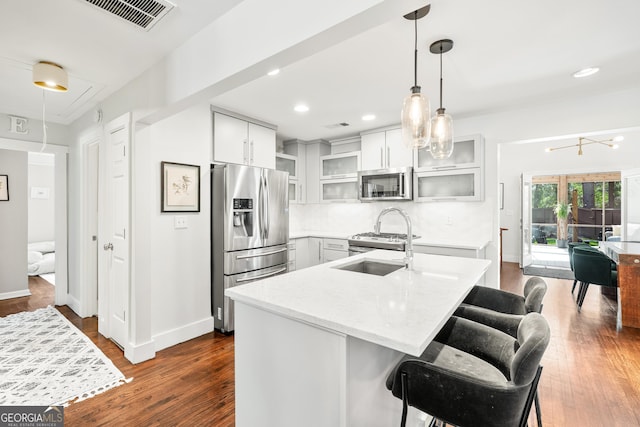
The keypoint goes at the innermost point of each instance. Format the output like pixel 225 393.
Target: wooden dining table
pixel 626 255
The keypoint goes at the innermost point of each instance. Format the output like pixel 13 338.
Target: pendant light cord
pixel 441 76
pixel 415 52
pixel 44 126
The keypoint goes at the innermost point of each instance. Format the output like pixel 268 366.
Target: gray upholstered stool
pixel 474 375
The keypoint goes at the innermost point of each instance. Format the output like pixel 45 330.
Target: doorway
pixel 595 216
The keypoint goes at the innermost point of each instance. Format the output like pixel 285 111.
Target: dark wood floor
pixel 591 372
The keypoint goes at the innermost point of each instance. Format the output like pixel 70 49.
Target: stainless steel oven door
pixel 357 250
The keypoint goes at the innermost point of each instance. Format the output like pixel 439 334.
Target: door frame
pixel 526 257
pixel 90 142
pixel 625 175
pixel 60 206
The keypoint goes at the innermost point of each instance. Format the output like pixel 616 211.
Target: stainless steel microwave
pixel 385 184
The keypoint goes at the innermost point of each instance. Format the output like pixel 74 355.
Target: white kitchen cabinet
pixel 339 190
pixel 464 185
pixel 291 263
pixel 468 152
pixel 333 249
pixel 458 178
pixel 384 149
pixel 289 163
pixel 308 252
pixel 240 141
pixel 309 187
pixel 339 177
pixel 343 165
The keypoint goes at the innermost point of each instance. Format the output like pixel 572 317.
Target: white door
pixel 631 205
pixel 525 221
pixel 115 234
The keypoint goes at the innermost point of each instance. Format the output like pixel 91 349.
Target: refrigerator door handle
pixel 262 276
pixel 261 254
pixel 260 217
pixel 266 209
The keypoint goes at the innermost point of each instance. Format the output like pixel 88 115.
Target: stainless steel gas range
pixel 369 241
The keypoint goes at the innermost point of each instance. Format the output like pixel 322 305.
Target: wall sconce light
pixel 581 143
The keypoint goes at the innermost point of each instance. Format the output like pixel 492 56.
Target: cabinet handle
pixel 338 176
pixel 441 199
pixel 388 156
pixel 335 245
pixel 244 152
pixel 300 194
pixel 251 152
pixel 381 157
pixel 446 167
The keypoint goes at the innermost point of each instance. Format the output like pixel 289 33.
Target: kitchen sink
pixel 368 266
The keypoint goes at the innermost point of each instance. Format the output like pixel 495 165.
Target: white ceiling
pixel 506 54
pixel 99 51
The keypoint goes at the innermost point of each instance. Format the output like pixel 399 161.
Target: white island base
pixel 292 374
pixel 314 347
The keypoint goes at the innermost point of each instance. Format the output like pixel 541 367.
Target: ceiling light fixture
pixel 274 72
pixel 441 144
pixel 581 143
pixel 301 108
pixel 586 72
pixel 416 110
pixel 368 117
pixel 50 76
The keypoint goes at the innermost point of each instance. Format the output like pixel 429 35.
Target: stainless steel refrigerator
pixel 249 231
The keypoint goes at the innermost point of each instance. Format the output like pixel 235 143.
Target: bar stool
pixel 570 247
pixel 592 267
pixel 474 375
pixel 500 309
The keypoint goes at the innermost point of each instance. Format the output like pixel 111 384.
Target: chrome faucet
pixel 408 246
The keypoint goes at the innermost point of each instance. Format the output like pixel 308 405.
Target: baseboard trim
pixel 16 294
pixel 184 333
pixel 140 353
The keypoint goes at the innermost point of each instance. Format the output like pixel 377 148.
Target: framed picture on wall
pixel 180 186
pixel 4 188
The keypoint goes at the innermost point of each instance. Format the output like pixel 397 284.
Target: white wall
pixel 13 226
pixel 178 260
pixel 41 225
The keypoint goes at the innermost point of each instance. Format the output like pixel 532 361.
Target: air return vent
pixel 142 13
pixel 337 125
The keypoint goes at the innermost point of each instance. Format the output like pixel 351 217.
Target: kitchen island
pixel 314 347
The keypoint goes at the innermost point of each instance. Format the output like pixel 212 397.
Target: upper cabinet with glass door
pixel 468 152
pixel 287 163
pixel 344 165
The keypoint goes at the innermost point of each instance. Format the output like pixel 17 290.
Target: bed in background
pixel 41 257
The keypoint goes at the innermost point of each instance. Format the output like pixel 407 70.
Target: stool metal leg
pixel 403 379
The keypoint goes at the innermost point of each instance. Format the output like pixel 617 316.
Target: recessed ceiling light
pixel 585 72
pixel 618 138
pixel 368 117
pixel 301 108
pixel 274 72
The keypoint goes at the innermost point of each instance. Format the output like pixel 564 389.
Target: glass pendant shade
pixel 441 144
pixel 415 119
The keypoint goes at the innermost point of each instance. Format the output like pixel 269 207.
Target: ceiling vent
pixel 142 13
pixel 337 125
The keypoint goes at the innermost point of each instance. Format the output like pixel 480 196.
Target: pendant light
pixel 416 109
pixel 49 76
pixel 441 145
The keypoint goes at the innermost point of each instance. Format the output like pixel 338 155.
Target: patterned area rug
pixel 46 360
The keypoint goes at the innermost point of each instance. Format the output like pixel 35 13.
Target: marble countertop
pixel 466 243
pixel 402 310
